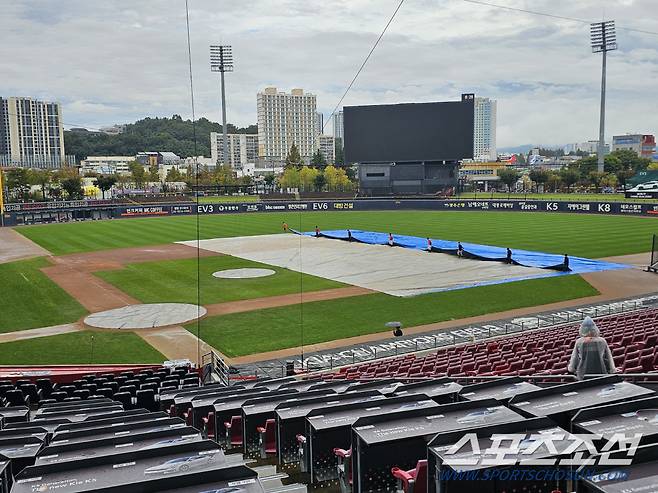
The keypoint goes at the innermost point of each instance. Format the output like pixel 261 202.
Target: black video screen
pixel 409 132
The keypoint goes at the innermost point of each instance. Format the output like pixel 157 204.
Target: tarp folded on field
pixel 526 258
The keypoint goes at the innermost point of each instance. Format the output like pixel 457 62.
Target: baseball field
pixel 101 265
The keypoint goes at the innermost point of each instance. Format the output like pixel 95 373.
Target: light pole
pixel 604 39
pixel 221 60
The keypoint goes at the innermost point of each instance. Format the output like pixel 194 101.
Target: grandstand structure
pixel 161 428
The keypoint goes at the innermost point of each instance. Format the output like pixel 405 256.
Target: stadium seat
pixel 146 400
pixel 45 386
pixel 82 393
pixel 234 431
pixel 16 398
pixel 188 416
pixel 413 481
pixel 209 425
pixel 124 398
pixel 344 469
pixel 267 438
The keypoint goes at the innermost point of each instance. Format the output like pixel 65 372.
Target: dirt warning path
pixel 15 246
pixel 175 342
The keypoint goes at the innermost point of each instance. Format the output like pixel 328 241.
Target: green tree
pixel 569 177
pixel 138 174
pixel 269 180
pixel 73 187
pixel 42 178
pixel 105 183
pixel 539 177
pixel 294 159
pixel 18 183
pixel 509 177
pixel 153 174
pixel 319 182
pixel 554 181
pixel 596 178
pixel 224 175
pixel 173 175
pixel 318 160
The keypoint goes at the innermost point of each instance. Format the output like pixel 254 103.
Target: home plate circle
pixel 145 316
pixel 243 273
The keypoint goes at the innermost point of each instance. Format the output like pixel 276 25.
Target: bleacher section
pixel 381 427
pixel 632 338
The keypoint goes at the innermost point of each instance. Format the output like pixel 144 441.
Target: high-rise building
pixel 31 133
pixel 242 148
pixel 484 135
pixel 643 145
pixel 286 119
pixel 319 123
pixel 326 147
pixel 338 127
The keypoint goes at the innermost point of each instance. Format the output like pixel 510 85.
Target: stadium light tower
pixel 604 39
pixel 221 60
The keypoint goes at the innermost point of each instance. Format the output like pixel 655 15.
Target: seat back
pixel 236 430
pixel 420 484
pixel 270 435
pixel 146 399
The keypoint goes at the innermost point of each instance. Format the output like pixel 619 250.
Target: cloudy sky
pixel 118 61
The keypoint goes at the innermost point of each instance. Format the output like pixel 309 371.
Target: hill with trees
pixel 150 134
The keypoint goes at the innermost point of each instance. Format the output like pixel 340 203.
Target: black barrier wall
pixel 77 211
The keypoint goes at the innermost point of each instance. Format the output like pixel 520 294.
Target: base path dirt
pixel 14 246
pixel 176 343
pixel 284 300
pixel 74 273
pixel 55 330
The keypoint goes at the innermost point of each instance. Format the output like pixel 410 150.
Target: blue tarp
pixel 527 258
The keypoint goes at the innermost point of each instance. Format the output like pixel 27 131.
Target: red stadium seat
pixel 413 481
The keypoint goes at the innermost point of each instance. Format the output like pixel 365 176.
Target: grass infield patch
pixel 30 299
pixel 174 281
pixel 78 348
pixel 279 328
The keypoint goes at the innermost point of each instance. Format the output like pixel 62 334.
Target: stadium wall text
pixel 16 214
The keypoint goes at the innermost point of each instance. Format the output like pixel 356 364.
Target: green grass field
pixel 30 299
pixel 78 348
pixel 174 281
pixel 579 235
pixel 278 328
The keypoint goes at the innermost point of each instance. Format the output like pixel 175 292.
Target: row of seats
pixel 632 338
pixel 132 389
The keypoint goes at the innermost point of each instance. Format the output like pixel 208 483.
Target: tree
pixel 653 166
pixel 105 183
pixel 73 187
pixel 339 153
pixel 307 176
pixel 153 173
pixel 319 182
pixel 138 174
pixel 596 178
pixel 509 177
pixel 318 160
pixel 269 180
pixel 569 176
pixel 290 178
pixel 554 181
pixel 40 177
pixel 293 158
pixel 173 175
pixel 539 177
pixel 224 175
pixel 18 183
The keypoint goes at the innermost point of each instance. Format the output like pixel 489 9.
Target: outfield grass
pixel 175 281
pixel 30 299
pixel 78 348
pixel 571 197
pixel 580 235
pixel 278 328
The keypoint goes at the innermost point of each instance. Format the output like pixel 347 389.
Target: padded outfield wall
pixel 15 214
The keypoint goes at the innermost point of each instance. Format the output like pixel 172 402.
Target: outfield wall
pixel 55 212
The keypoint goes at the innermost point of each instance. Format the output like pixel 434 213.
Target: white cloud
pixel 114 62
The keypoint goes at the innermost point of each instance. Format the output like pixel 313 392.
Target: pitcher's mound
pixel 243 273
pixel 145 316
